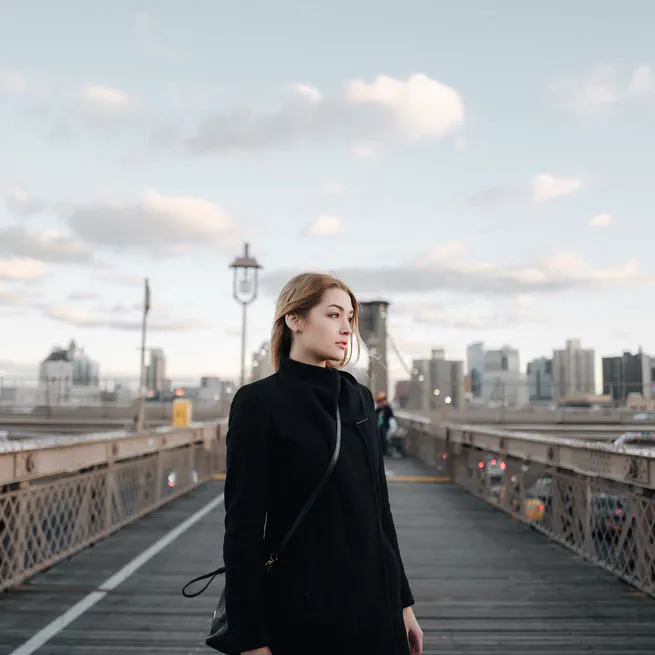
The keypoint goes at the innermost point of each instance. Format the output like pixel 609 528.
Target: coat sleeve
pixel 389 528
pixel 245 513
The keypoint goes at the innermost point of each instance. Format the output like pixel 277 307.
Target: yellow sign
pixel 181 413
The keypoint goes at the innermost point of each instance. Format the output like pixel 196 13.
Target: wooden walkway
pixel 483 583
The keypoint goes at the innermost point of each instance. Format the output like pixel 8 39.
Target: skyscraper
pixel 156 371
pixel 574 370
pixel 627 374
pixel 540 379
pixel 475 367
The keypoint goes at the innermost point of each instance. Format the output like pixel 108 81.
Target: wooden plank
pixel 484 584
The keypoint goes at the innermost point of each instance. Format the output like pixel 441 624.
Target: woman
pixel 339 588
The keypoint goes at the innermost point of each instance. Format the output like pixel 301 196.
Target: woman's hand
pixel 414 632
pixel 257 651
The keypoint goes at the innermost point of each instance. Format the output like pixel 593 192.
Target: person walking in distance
pixel 384 413
pixel 339 586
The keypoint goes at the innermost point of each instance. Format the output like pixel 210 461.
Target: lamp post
pixel 246 269
pixel 140 422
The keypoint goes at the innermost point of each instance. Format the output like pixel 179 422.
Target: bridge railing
pixel 60 496
pixel 589 497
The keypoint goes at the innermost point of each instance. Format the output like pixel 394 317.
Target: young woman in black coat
pixel 339 587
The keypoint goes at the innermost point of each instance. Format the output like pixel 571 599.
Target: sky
pixel 487 167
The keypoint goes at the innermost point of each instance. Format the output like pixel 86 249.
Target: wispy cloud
pixel 362 112
pixel 600 220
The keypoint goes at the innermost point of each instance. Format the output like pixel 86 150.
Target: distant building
pixel 435 383
pixel 540 379
pixel 262 365
pixel 475 368
pixel 627 374
pixel 86 372
pixel 56 378
pixel 156 381
pixel 574 370
pixel 502 380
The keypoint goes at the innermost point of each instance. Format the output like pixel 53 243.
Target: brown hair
pixel 299 295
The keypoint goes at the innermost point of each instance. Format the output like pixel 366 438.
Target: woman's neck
pixel 305 357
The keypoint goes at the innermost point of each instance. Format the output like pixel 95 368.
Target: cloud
pixel 72 316
pixel 603 88
pixel 364 151
pixel 83 296
pixel 600 220
pixel 20 203
pixel 445 316
pixel 45 245
pixel 362 112
pixel 21 269
pixel 325 226
pixel 333 189
pixel 540 188
pixel 146 38
pixel 443 268
pixel 12 82
pixel 422 107
pixel 98 103
pixel 547 187
pixel 157 224
pixel 111 275
pixel 11 296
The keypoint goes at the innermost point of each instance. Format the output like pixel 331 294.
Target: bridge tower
pixel 373 329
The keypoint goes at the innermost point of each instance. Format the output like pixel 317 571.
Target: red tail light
pixel 503 466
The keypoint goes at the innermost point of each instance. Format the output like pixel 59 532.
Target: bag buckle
pixel 270 562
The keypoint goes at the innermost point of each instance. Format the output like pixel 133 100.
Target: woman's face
pixel 327 329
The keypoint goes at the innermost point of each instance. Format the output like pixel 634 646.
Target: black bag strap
pixel 308 505
pixel 301 516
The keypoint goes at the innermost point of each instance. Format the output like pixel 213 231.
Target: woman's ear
pixel 293 322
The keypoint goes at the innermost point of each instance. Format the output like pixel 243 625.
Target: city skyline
pixel 155 142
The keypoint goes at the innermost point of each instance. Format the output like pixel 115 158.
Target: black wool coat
pixel 340 587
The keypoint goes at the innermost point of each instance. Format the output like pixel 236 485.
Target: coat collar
pixel 329 384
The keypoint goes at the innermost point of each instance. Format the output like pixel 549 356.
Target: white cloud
pixel 21 269
pixel 307 92
pixel 445 251
pixel 363 113
pixel 105 103
pixel 547 187
pixel 604 87
pixel 146 38
pixel 21 203
pixel 364 151
pixel 325 226
pixel 422 107
pixel 12 82
pixel 559 271
pixel 333 189
pixel 45 245
pixel 600 220
pixel 157 223
pixel 642 82
pixel 72 316
pixel 111 275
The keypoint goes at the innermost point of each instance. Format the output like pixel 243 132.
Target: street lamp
pixel 246 270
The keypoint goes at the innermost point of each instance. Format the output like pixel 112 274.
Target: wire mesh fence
pixel 46 520
pixel 609 523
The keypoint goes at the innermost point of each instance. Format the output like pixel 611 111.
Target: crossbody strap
pixel 303 513
pixel 308 505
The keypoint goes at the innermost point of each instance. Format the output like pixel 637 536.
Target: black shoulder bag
pixel 219 637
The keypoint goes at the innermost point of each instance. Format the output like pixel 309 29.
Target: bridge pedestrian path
pixel 484 584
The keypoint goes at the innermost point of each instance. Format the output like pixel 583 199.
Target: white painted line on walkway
pixel 64 620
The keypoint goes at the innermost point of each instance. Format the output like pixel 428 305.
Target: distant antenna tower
pixel 373 328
